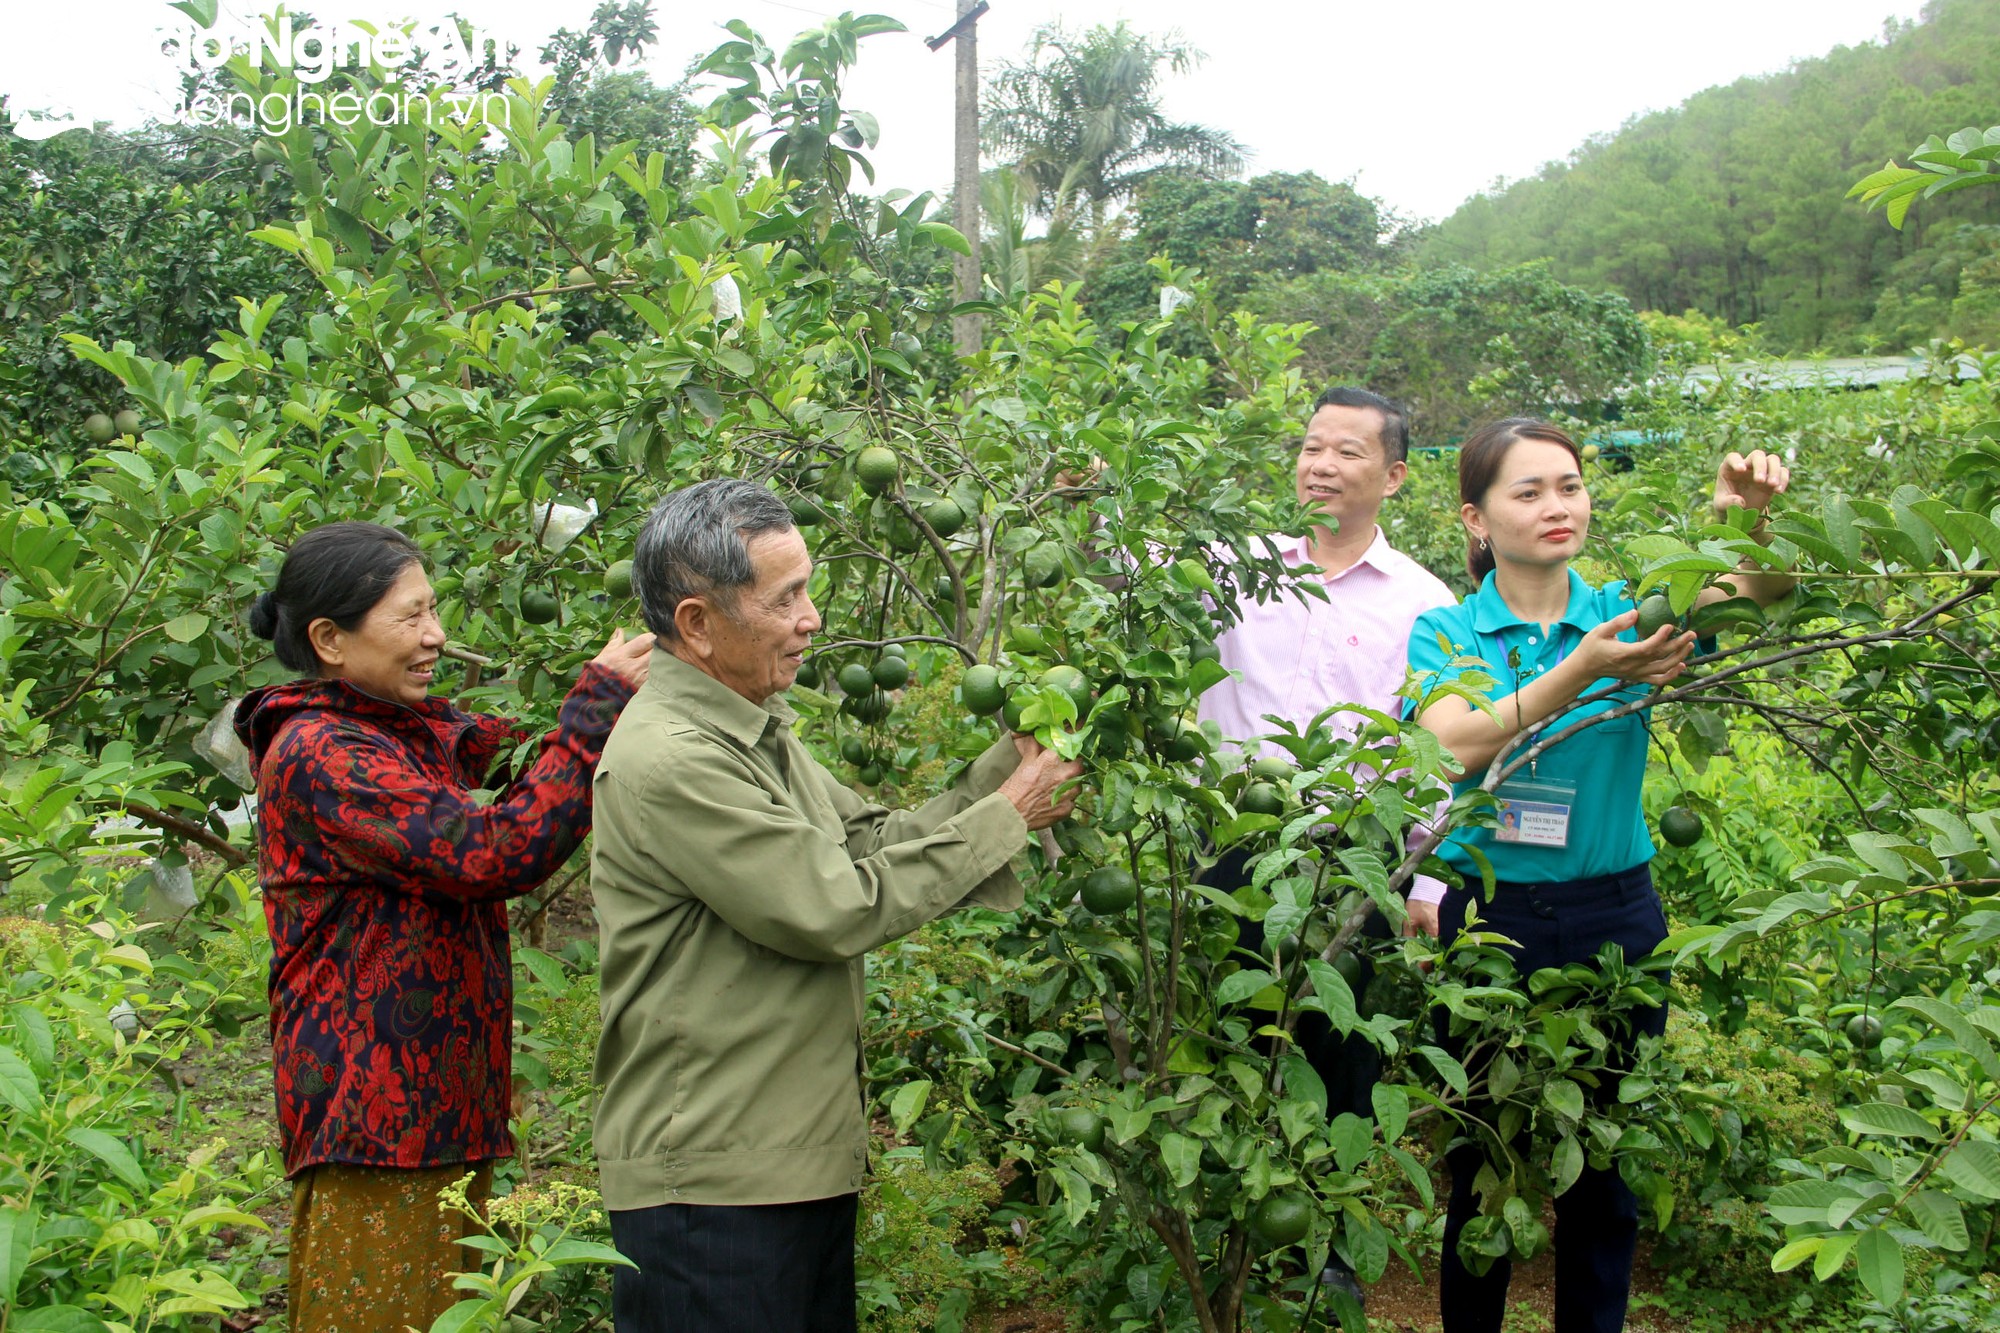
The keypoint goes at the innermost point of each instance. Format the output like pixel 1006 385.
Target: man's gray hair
pixel 695 543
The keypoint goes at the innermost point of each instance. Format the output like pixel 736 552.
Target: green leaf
pixel 1566 1164
pixel 571 1251
pixel 18 1086
pixel 1182 1157
pixel 1833 1254
pixel 55 1319
pixel 1807 1202
pixel 1240 986
pixel 465 1313
pixel 1880 1261
pixel 187 628
pixel 1392 1110
pixel 1974 1167
pixel 112 1152
pixel 1941 1219
pixel 948 237
pixel 17 1243
pixel 1796 1253
pixel 1887 1118
pixel 1449 1069
pixel 1564 1098
pixel 547 970
pixel 907 1103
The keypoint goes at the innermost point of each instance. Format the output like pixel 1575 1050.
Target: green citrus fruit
pixel 877 469
pixel 944 516
pixel 809 674
pixel 538 607
pixel 1110 890
pixel 870 775
pixel 1083 1128
pixel 1042 566
pixel 805 510
pixel 891 673
pixel 1071 682
pixel 980 689
pixel 853 751
pixel 1282 1219
pixel 1348 964
pixel 1261 798
pixel 855 678
pixel 99 428
pixel 1182 741
pixel 1655 613
pixel 1010 711
pixel 895 650
pixel 1589 452
pixel 867 708
pixel 1203 652
pixel 126 422
pixel 1270 768
pixel 618 579
pixel 1864 1032
pixel 1680 826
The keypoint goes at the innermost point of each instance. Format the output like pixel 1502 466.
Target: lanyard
pixel 1511 658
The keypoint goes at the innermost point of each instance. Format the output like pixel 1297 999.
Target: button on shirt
pixel 1606 762
pixel 1293 654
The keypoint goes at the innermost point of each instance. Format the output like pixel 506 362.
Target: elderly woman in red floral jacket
pixel 384 887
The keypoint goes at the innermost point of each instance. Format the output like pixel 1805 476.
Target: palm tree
pixel 1081 122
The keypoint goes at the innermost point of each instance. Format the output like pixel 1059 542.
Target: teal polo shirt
pixel 1607 762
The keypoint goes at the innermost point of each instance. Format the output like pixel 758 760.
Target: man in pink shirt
pixel 1293 656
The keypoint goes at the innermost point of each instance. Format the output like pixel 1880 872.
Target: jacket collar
pixel 690 690
pixel 1491 614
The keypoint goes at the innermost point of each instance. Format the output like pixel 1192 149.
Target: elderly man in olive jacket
pixel 738 885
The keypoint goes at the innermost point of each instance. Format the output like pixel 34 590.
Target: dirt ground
pixel 1402 1302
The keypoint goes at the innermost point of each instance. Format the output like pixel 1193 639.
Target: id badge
pixel 1535 814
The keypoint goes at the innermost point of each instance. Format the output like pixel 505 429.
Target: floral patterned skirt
pixel 371 1249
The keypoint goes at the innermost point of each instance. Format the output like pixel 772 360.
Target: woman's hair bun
pixel 264 616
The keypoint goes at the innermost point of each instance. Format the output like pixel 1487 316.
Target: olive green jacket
pixel 738 884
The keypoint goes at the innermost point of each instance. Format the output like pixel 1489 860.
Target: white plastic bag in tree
pixel 124 1018
pixel 218 745
pixel 728 298
pixel 1172 298
pixel 556 526
pixel 170 894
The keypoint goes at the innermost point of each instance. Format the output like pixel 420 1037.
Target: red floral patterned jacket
pixel 384 881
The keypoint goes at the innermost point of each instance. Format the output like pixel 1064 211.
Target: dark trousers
pixel 1597 1218
pixel 771 1268
pixel 1350 1066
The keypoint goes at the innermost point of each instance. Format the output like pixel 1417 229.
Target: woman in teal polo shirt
pixel 1570 858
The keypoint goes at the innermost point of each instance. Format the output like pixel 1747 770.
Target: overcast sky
pixel 1420 103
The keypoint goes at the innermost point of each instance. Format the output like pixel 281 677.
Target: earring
pixel 1482 543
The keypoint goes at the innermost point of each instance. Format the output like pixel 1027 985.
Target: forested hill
pixel 1734 202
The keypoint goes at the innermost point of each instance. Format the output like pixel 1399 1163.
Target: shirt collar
pixel 1378 553
pixel 1491 614
pixel 693 691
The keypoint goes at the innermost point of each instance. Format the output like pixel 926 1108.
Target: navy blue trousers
pixel 704 1268
pixel 1597 1218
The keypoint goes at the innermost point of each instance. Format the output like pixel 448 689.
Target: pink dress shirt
pixel 1292 656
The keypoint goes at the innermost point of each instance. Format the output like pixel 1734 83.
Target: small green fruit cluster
pixel 871 765
pixel 866 685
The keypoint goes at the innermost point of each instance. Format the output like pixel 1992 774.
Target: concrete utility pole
pixel 968 331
